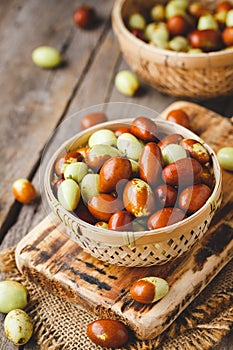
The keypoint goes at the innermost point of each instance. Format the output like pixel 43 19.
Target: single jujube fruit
pixel 130 145
pixel 13 295
pixel 89 186
pixel 121 131
pixel 178 44
pixel 170 139
pixel 75 171
pixel 150 164
pixel 121 221
pixel 18 327
pixel 229 18
pixel 137 20
pixel 148 290
pixel 46 57
pixel 206 40
pixel 157 12
pixel 144 128
pixel 227 36
pixel 173 152
pixel 197 9
pixel 166 195
pixel 127 82
pixel 102 137
pixel 179 116
pixel 138 198
pixel 24 191
pixel 183 172
pixel 112 171
pixel 223 6
pixel 108 333
pixel 172 8
pixel 225 157
pixel 68 194
pixel 207 22
pixel 196 150
pixel 98 154
pixel 165 217
pixel 85 16
pixel 92 119
pixel 103 205
pixel 177 25
pixel 194 197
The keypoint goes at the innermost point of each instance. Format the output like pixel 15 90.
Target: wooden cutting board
pixel 50 258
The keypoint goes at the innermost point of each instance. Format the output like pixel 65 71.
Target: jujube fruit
pixel 194 197
pixel 112 171
pixel 24 191
pixel 108 333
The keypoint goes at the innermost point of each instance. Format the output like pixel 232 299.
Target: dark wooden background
pixel 34 101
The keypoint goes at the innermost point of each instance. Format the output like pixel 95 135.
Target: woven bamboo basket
pixel 196 76
pixel 143 248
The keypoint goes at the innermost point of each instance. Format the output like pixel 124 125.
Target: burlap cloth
pixel 59 325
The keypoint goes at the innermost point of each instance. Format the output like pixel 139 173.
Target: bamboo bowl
pixel 196 76
pixel 143 248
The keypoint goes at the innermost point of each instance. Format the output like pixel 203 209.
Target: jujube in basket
pixel 130 180
pixel 180 25
pixel 182 48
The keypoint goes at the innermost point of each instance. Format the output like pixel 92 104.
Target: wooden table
pixel 34 101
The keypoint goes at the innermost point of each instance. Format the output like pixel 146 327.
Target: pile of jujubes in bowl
pixel 180 47
pixel 181 25
pixel 134 184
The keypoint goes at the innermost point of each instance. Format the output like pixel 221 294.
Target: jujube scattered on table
pixel 18 327
pixel 24 191
pixel 13 295
pixel 85 17
pixel 108 333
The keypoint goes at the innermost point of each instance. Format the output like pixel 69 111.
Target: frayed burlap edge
pixel 59 325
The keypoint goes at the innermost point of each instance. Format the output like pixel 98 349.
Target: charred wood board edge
pixel 90 287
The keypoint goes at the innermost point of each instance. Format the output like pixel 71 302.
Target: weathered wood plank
pixel 33 100
pixel 94 81
pixel 82 279
pixel 98 80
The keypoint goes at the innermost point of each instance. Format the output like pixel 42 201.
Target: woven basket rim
pixel 150 236
pixel 170 58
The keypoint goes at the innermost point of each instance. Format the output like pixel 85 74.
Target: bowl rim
pixel 129 237
pixel 169 58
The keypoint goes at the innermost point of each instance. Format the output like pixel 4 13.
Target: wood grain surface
pixel 34 101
